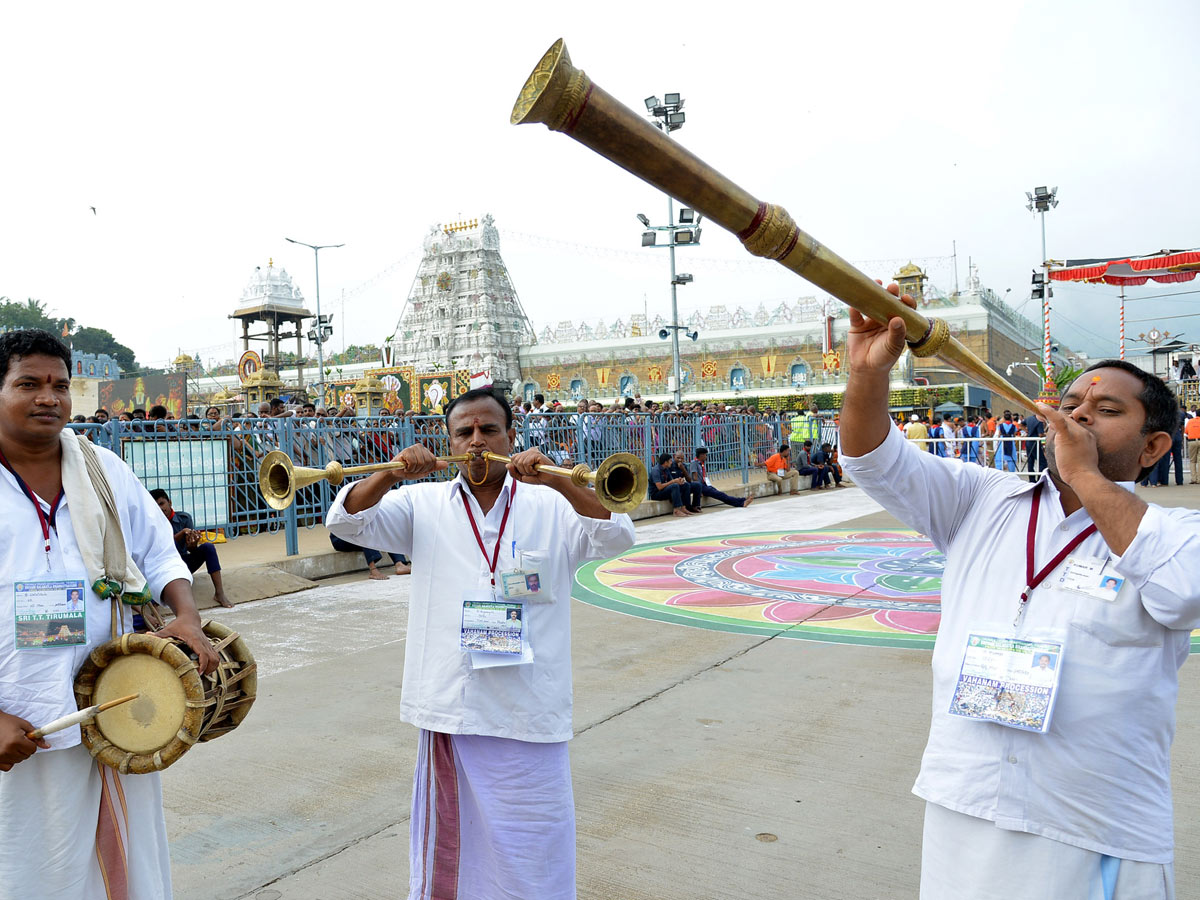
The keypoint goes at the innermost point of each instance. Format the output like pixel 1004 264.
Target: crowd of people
pixel 732 438
pixel 1015 443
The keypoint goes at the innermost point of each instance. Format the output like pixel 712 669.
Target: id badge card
pixel 50 612
pixel 491 625
pixel 1091 576
pixel 522 584
pixel 1008 680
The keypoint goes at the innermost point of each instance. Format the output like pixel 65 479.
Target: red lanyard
pixel 47 522
pixel 1032 580
pixel 475 528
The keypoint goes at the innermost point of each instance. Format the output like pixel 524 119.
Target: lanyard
pixel 1032 580
pixel 47 522
pixel 479 538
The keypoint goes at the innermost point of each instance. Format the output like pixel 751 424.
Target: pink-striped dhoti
pixel 492 819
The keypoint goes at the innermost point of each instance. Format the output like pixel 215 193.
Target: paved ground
pixel 706 764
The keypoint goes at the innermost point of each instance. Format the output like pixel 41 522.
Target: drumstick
pixel 77 718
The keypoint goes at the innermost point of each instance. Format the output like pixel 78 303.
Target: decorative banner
pixel 832 360
pixel 602 377
pixel 250 363
pixel 396 395
pixel 655 374
pixel 708 369
pixel 462 382
pixel 553 381
pixel 434 391
pixel 768 365
pixel 480 380
pixel 387 354
pixel 143 392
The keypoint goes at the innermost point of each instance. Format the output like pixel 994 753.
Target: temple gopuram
pixel 463 312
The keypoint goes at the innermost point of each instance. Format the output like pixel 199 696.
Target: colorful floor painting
pixel 876 588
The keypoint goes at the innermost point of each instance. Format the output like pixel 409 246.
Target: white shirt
pixel 36 684
pixel 428 523
pixel 1100 778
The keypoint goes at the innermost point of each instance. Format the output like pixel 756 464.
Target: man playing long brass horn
pixel 1067 606
pixel 487 667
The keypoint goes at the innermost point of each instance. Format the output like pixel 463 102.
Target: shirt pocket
pixel 539 561
pixel 1123 622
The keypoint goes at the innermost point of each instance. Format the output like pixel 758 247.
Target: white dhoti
pixel 492 819
pixel 49 805
pixel 967 857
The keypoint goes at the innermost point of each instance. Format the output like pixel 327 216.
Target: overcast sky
pixel 205 134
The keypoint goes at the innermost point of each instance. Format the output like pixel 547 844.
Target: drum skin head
pixel 177 706
pixel 142 676
pixel 147 724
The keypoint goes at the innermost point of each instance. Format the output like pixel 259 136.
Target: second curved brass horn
pixel 620 480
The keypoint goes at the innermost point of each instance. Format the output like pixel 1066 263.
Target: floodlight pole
pixel 663 121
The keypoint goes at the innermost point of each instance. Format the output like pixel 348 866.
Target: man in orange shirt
pixel 1191 431
pixel 780 471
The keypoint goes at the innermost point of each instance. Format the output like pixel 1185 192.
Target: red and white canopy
pixel 1165 267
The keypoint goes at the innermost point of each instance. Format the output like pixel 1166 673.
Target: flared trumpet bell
pixel 279 479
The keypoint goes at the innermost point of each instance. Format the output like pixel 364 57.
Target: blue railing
pixel 210 468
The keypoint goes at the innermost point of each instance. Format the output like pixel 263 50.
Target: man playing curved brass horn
pixel 489 689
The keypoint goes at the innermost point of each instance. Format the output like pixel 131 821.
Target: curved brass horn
pixel 565 99
pixel 279 478
pixel 620 481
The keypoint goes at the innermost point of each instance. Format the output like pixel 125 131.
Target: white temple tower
pixel 270 297
pixel 462 311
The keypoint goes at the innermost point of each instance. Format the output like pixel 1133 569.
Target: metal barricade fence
pixel 1026 454
pixel 210 469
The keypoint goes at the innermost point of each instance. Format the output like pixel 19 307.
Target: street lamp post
pixel 319 334
pixel 1041 200
pixel 668 115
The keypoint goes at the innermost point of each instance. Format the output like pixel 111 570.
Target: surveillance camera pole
pixel 316 249
pixel 674 304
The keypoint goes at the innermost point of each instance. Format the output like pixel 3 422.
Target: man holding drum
pixel 69 829
pixel 492 812
pixel 1063 788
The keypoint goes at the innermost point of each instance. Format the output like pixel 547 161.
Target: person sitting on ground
pixel 191 545
pixel 399 560
pixel 827 457
pixel 664 487
pixel 780 471
pixel 699 472
pixel 806 465
pixel 691 488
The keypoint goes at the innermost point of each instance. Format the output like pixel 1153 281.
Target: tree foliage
pixel 32 314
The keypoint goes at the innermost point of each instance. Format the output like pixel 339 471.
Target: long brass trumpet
pixel 565 99
pixel 620 481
